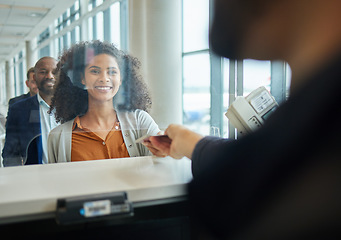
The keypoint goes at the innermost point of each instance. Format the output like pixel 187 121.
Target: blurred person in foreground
pixel 282 181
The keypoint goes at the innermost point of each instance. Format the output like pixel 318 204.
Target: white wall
pixel 155 37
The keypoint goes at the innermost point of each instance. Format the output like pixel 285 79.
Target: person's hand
pixel 155 151
pixel 179 142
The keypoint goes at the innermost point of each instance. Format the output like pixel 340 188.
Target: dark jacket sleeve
pixel 17 99
pixel 11 152
pixel 207 151
pixel 228 182
pixel 23 124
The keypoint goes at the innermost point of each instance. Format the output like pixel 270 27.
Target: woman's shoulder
pixel 139 122
pixel 137 115
pixel 67 126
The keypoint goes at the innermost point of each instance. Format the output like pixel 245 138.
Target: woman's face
pixel 102 78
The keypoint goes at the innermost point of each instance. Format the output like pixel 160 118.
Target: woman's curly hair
pixel 71 98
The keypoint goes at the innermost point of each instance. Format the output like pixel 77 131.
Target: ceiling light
pixel 35 14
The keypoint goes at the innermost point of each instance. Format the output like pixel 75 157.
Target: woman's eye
pixel 94 71
pixel 112 72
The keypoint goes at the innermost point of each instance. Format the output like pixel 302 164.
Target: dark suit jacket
pixel 23 127
pixel 282 181
pixel 18 98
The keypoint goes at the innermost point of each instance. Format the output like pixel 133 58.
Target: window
pixel 211 83
pixel 115 23
pixel 66 19
pixel 196 88
pixel 91 34
pixel 19 74
pixel 15 68
pixel 196 66
pixel 2 84
pixel 44 51
pixel 256 74
pixel 69 28
pixel 195 25
pixel 99 26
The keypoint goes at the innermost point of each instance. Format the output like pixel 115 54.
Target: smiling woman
pixel 102 102
pixel 102 79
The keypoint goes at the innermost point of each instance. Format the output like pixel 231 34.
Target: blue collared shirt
pixel 47 123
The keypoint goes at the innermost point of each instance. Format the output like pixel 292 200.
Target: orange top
pixel 87 145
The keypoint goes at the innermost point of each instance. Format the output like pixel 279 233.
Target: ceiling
pixel 22 20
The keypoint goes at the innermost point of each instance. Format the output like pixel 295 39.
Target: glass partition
pixel 166 73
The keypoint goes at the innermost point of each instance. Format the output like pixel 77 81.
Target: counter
pixel 31 192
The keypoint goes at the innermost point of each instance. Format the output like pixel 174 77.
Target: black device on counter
pixel 93 207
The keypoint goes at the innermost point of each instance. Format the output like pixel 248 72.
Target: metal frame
pixel 124 22
pixel 106 25
pixel 278 80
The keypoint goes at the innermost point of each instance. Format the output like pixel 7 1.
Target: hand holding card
pixel 160 140
pixel 178 142
pixel 145 139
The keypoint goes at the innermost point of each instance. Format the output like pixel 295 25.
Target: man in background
pixel 32 86
pixel 28 121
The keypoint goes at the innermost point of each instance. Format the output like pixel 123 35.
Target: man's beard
pixel 45 90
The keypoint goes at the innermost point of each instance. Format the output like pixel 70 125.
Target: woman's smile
pixel 104 88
